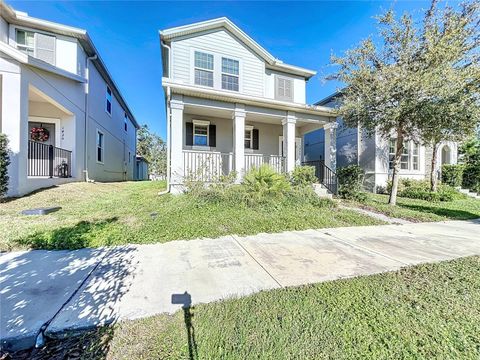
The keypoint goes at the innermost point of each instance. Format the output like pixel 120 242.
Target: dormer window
pixel 283 88
pixel 230 73
pixel 203 69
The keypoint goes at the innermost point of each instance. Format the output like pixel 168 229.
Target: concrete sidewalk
pixel 74 290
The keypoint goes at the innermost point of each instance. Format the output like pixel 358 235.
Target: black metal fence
pixel 325 175
pixel 48 160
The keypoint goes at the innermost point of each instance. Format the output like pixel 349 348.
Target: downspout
pixel 85 137
pixel 169 137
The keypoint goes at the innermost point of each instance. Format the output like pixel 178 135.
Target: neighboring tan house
pixel 374 153
pixel 62 112
pixel 232 106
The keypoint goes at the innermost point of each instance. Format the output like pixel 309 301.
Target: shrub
pixel 471 176
pixel 452 174
pixel 303 176
pixel 350 180
pixel 265 181
pixel 420 189
pixel 4 162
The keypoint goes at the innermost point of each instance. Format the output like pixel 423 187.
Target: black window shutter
pixel 255 139
pixel 189 134
pixel 212 135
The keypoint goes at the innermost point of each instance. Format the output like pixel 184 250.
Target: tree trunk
pixel 396 168
pixel 433 172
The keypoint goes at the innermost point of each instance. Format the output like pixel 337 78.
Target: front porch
pixel 209 139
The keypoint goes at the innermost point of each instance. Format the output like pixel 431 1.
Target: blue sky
pixel 299 33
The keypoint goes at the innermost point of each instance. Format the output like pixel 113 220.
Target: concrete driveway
pixel 55 291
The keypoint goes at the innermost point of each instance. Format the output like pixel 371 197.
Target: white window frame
pixel 212 71
pixel 407 152
pixel 201 123
pixel 125 122
pixel 229 74
pixel 100 146
pixel 278 96
pixel 25 46
pixel 107 100
pixel 248 128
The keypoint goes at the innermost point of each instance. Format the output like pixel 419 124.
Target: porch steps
pixel 322 191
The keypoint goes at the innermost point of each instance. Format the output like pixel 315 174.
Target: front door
pixel 50 140
pixel 298 149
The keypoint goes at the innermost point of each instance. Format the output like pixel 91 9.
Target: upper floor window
pixel 108 100
pixel 230 73
pixel 203 69
pixel 41 46
pixel 26 42
pixel 283 88
pixel 125 122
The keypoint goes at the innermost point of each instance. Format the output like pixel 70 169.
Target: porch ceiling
pixel 35 95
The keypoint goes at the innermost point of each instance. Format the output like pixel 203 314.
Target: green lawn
pixel 132 212
pixel 429 311
pixel 421 210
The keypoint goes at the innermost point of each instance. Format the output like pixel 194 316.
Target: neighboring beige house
pixel 61 110
pixel 374 153
pixel 232 106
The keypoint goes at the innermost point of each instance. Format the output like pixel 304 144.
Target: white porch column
pixel 239 140
pixel 176 172
pixel 331 145
pixel 289 140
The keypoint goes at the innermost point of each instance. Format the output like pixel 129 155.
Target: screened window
pixel 230 74
pixel 203 69
pixel 108 101
pixel 248 137
pixel 284 88
pixel 200 135
pixel 26 42
pixel 100 146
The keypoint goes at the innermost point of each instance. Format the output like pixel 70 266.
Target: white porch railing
pixel 209 166
pixel 206 166
pixel 277 162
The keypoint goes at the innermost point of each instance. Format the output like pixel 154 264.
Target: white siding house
pixel 53 80
pixel 373 153
pixel 231 105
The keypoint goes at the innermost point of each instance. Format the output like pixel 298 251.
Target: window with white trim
pixel 100 146
pixel 26 42
pixel 125 122
pixel 108 100
pixel 248 137
pixel 203 69
pixel 200 133
pixel 283 88
pixel 409 159
pixel 230 74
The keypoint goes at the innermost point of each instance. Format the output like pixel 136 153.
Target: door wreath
pixel 39 134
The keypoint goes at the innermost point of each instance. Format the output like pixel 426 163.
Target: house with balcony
pixel 63 114
pixel 374 154
pixel 232 106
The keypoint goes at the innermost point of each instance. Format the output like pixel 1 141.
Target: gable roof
pixel 225 23
pixel 23 19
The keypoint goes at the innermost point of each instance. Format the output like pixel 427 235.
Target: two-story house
pixel 232 106
pixel 374 154
pixel 61 110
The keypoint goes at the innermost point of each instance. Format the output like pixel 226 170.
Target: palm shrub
pixel 350 180
pixel 265 181
pixel 303 176
pixel 4 162
pixel 452 174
